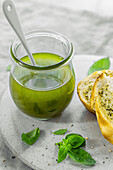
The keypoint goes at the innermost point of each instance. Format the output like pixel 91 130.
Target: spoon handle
pixel 11 15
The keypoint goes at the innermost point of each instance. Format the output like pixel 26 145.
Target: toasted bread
pixel 84 89
pixel 104 105
pixel 93 94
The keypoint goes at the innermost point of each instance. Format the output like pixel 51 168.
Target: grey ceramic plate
pixel 43 154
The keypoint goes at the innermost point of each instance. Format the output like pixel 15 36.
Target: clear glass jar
pixel 45 90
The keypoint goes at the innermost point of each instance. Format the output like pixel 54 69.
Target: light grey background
pixel 89 25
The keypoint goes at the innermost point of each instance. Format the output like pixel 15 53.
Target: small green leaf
pixel 71 134
pixel 69 147
pixel 64 142
pixel 59 144
pixel 76 140
pixel 81 156
pixel 63 150
pixel 102 64
pixel 31 137
pixel 8 68
pixel 60 132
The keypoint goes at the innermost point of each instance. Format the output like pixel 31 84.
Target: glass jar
pixel 42 91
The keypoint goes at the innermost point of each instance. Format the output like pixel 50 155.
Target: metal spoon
pixel 11 15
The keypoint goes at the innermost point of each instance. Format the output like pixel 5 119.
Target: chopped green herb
pixel 102 64
pixel 60 132
pixel 8 68
pixel 37 109
pixel 31 137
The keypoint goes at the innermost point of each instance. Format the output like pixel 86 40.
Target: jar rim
pixel 44 33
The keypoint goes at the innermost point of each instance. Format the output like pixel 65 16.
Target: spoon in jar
pixel 11 15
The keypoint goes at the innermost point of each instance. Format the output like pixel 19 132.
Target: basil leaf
pixel 69 147
pixel 63 150
pixel 71 134
pixel 102 64
pixel 60 132
pixel 37 109
pixel 31 137
pixel 76 140
pixel 81 156
pixel 59 144
pixel 63 142
pixel 8 68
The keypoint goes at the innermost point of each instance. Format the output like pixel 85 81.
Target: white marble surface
pixel 91 33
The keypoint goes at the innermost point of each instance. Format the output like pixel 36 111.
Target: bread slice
pixel 104 105
pixel 84 89
pixel 93 94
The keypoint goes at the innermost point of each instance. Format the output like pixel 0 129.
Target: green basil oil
pixel 42 94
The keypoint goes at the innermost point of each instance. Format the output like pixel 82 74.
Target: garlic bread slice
pixel 84 89
pixel 104 105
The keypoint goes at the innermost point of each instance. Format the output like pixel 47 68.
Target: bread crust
pixel 94 94
pixel 105 126
pixel 104 121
